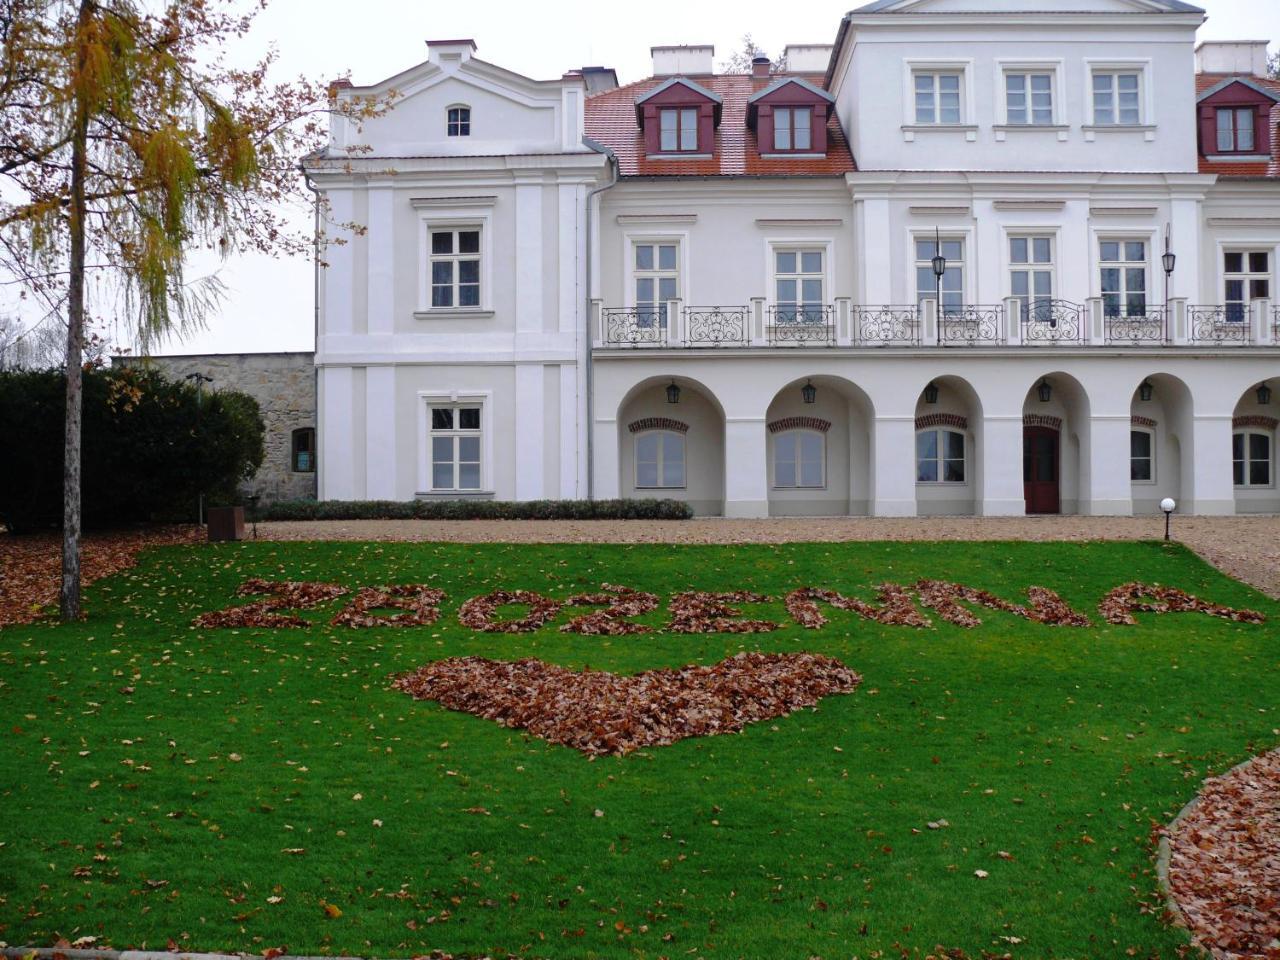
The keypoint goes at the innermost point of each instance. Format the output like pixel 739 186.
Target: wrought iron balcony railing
pixel 717 326
pixel 971 325
pixel 801 325
pixel 635 326
pixel 1145 329
pixel 1053 322
pixel 1218 324
pixel 887 326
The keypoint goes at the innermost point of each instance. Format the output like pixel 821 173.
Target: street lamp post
pixel 1168 262
pixel 939 263
pixel 1168 505
pixel 200 380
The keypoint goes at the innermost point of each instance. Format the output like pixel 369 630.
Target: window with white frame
pixel 940 456
pixel 1028 97
pixel 454 432
pixel 659 459
pixel 1235 129
pixel 678 130
pixel 1251 458
pixel 1123 266
pixel 657 280
pixel 1117 97
pixel 952 286
pixel 791 128
pixel 799 459
pixel 799 278
pixel 1031 269
pixel 1142 456
pixel 937 94
pixel 458 121
pixel 1246 276
pixel 454 263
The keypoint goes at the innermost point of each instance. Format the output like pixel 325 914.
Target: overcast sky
pixel 269 303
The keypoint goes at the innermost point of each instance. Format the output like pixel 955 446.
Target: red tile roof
pixel 1261 168
pixel 611 120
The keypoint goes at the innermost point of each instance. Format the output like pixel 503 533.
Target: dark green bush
pixel 149 447
pixel 476 510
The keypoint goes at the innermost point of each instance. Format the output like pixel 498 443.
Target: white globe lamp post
pixel 1168 505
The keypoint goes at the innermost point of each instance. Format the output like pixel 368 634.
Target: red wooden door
pixel 1040 469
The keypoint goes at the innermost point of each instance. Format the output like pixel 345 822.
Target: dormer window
pixel 1235 129
pixel 679 130
pixel 791 128
pixel 459 122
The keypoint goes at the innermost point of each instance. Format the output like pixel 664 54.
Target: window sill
pixel 1002 130
pixel 453 313
pixel 1237 157
pixel 797 155
pixel 1091 130
pixel 909 130
pixel 454 495
pixel 660 489
pixel 942 483
pixel 678 156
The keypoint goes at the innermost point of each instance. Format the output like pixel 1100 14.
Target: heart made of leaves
pixel 598 712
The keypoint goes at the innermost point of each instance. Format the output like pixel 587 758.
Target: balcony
pixel 1013 323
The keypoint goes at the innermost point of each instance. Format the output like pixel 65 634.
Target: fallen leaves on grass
pixel 31 564
pixel 420 606
pixel 619 603
pixel 1224 868
pixel 896 606
pixel 478 612
pixel 281 595
pixel 1046 606
pixel 598 712
pixel 696 611
pixel 1120 604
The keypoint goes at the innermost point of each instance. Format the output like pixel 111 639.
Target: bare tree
pixel 740 61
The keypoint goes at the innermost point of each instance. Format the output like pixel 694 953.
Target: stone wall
pixel 284 384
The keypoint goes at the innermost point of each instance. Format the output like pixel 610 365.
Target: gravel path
pixel 1247 548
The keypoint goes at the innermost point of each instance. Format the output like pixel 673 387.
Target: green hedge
pixel 476 510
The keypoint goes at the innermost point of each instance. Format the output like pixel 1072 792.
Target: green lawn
pixel 220 788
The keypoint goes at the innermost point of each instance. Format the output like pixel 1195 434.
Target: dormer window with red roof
pixel 678 119
pixel 1235 129
pixel 1233 116
pixel 790 118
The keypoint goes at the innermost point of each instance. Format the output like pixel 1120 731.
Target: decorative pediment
pixel 789 92
pixel 678 91
pixel 1238 90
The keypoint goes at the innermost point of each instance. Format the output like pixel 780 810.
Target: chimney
pixel 760 67
pixel 690 60
pixel 807 57
pixel 450 51
pixel 599 79
pixel 1232 56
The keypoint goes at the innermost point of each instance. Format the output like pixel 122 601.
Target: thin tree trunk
pixel 69 601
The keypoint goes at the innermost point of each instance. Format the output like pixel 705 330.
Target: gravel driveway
pixel 1247 548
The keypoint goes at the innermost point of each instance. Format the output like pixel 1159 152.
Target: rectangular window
pixel 459 122
pixel 791 128
pixel 952 287
pixel 1117 97
pixel 1246 276
pixel 1124 277
pixel 798 459
pixel 1251 459
pixel 657 277
pixel 799 281
pixel 660 459
pixel 939 456
pixel 1028 98
pixel 1235 130
pixel 304 450
pixel 454 434
pixel 1031 276
pixel 937 97
pixel 678 130
pixel 1141 456
pixel 455 268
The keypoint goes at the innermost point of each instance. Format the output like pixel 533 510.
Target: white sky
pixel 269 304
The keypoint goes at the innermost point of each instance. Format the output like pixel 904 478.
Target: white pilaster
pixel 528 265
pixel 337 431
pixel 746 474
pixel 380 239
pixel 605 458
pixel 1213 491
pixel 1184 237
pixel 529 419
pixel 1110 490
pixel 571 433
pixel 568 229
pixel 1001 454
pixel 877 263
pixel 894 477
pixel 380 433
pixel 339 270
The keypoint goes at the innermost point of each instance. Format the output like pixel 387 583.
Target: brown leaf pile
pixel 477 613
pixel 896 607
pixel 605 713
pixel 281 595
pixel 619 603
pixel 420 606
pixel 31 564
pixel 1046 606
pixel 1224 869
pixel 696 611
pixel 1119 606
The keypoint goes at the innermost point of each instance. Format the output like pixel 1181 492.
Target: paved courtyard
pixel 1247 548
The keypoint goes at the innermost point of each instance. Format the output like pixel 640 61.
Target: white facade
pixel 599 279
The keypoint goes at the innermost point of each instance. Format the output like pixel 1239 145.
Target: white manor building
pixel 971 258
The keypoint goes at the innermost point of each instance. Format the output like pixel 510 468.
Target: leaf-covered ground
pixel 989 789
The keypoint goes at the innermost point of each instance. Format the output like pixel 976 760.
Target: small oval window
pixel 459 121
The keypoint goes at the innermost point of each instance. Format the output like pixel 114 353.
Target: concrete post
pixel 894 467
pixel 746 472
pixel 844 330
pixel 929 322
pixel 605 457
pixel 597 322
pixel 1179 333
pixel 1262 334
pixel 1096 330
pixel 757 334
pixel 675 324
pixel 1013 332
pixel 1001 454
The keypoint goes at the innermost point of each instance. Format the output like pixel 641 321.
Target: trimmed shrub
pixel 149 447
pixel 476 510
